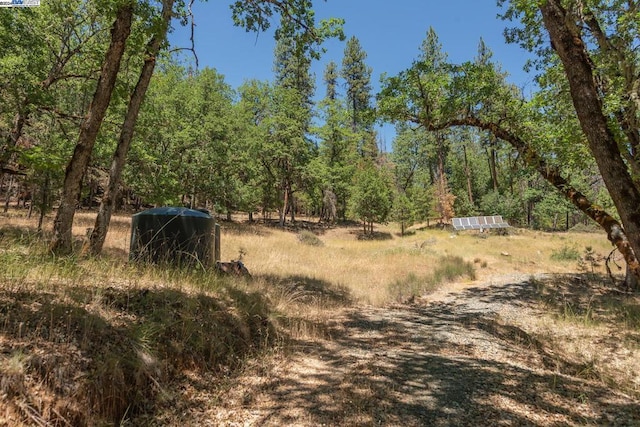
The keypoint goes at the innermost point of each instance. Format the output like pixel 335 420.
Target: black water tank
pixel 178 236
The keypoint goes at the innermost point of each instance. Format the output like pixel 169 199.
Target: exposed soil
pixel 461 357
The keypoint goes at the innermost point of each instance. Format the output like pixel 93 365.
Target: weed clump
pixel 449 269
pixel 566 253
pixel 308 238
pixel 407 288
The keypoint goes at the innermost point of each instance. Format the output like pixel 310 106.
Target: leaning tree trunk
pixel 62 235
pixel 614 230
pixel 571 49
pixel 107 204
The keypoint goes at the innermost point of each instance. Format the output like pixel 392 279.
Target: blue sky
pixel 390 32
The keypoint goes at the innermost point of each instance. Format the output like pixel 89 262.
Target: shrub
pixel 449 268
pixel 402 290
pixel 566 253
pixel 308 238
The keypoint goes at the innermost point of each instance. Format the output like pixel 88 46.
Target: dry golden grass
pixel 368 267
pixel 592 325
pixel 78 328
pixel 97 341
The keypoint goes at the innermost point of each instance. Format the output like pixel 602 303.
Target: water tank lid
pixel 173 211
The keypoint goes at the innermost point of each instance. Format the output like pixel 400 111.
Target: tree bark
pixel 16 132
pixel 44 201
pixel 467 172
pixel 568 44
pixel 107 204
pixel 62 226
pixel 285 205
pixel 292 205
pixel 7 197
pixel 491 153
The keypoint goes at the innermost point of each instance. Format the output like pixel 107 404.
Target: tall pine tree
pixel 337 151
pixel 357 76
pixel 291 121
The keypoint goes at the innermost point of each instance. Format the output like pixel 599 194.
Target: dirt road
pixel 456 359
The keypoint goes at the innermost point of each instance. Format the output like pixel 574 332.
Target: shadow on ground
pixel 376 235
pixel 98 356
pixel 448 363
pixel 308 290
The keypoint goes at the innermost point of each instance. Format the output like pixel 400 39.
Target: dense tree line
pixel 93 85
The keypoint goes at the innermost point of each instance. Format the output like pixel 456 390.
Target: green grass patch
pixel 566 253
pixel 308 238
pixel 449 269
pixel 630 314
pixel 578 314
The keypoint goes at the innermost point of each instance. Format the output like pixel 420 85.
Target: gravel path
pixel 455 359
